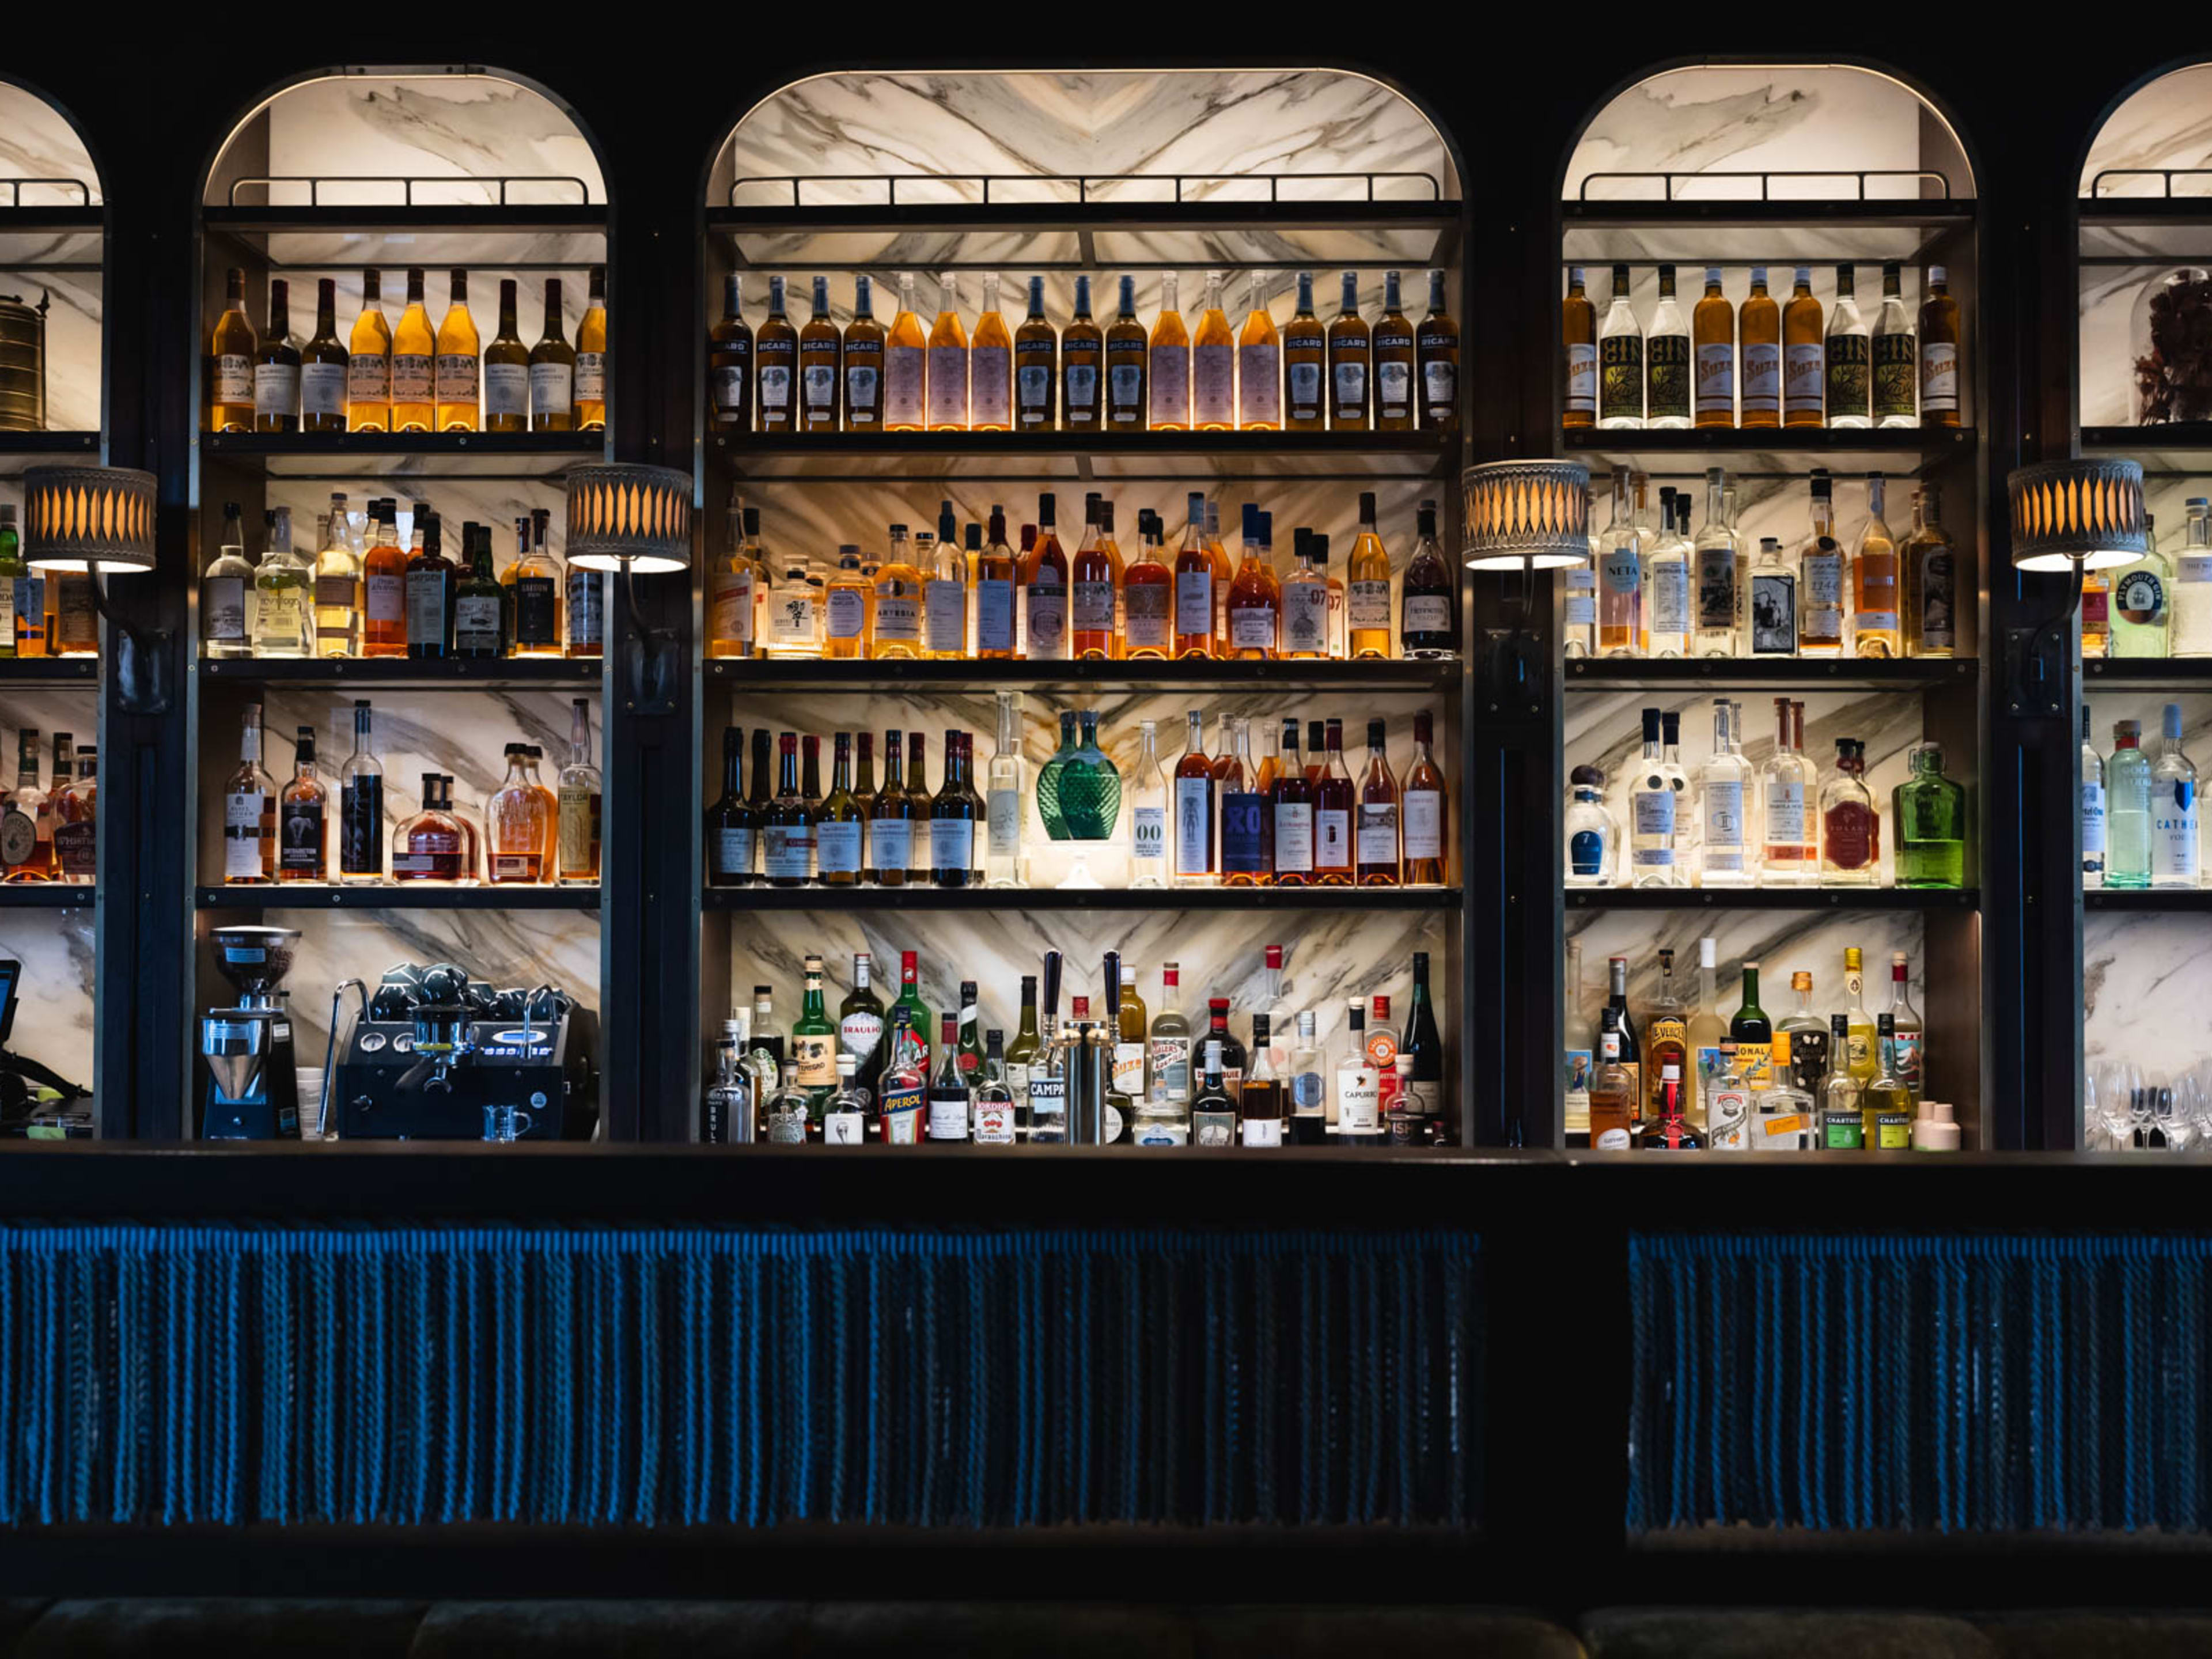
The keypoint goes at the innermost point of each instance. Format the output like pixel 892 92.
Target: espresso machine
pixel 253 1089
pixel 433 1054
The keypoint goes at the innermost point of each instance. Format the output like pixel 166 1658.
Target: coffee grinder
pixel 253 1090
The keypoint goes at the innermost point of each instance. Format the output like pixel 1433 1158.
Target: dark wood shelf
pixel 409 673
pixel 2172 436
pixel 486 217
pixel 46 895
pixel 744 674
pixel 1773 898
pixel 1753 674
pixel 1072 458
pixel 2181 901
pixel 757 897
pixel 62 443
pixel 23 671
pixel 2182 673
pixel 312 895
pixel 318 454
pixel 1773 450
pixel 1652 213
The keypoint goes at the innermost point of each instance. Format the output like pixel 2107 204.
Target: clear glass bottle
pixel 1666 354
pixel 337 587
pixel 2092 809
pixel 1790 834
pixel 2141 594
pixel 1666 590
pixel 1620 360
pixel 1726 797
pixel 227 592
pixel 1877 626
pixel 1003 862
pixel 1578 598
pixel 281 583
pixel 1807 1033
pixel 2175 844
pixel 1148 811
pixel 1820 579
pixel 1718 557
pixel 1620 619
pixel 1593 834
pixel 1909 1036
pixel 2189 603
pixel 1928 814
pixel 1651 802
pixel 1781 1112
pixel 1850 829
pixel 2127 778
pixel 1850 358
pixel 1896 357
pixel 1931 583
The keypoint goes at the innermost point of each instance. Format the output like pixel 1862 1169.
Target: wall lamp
pixel 628 517
pixel 2077 516
pixel 1526 516
pixel 98 519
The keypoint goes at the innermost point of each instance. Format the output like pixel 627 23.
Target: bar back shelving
pixel 1063 188
pixel 497 178
pixel 1875 174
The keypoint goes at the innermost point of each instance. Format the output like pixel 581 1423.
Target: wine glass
pixel 2174 1119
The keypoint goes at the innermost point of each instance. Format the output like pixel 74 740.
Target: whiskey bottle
pixel 577 805
pixel 1036 366
pixel 1578 331
pixel 1712 338
pixel 277 368
pixel 1820 579
pixel 1620 360
pixel 1367 593
pixel 1082 366
pixel 1258 365
pixel 458 364
pixel 514 824
pixel 1213 365
pixel 413 363
pixel 226 590
pixel 507 372
pixel 323 367
pixel 818 346
pixel 361 808
pixel 430 585
pixel 336 590
pixel 861 351
pixel 1805 358
pixel 591 407
pixel 730 362
pixel 1167 364
pixel 906 366
pixel 1305 364
pixel 1668 394
pixel 991 367
pixel 482 627
pixel 233 352
pixel 776 362
pixel 302 852
pixel 1435 345
pixel 249 808
pixel 76 823
pixel 368 362
pixel 384 583
pixel 1939 352
pixel 732 826
pixel 553 370
pixel 1351 353
pixel 1850 358
pixel 948 360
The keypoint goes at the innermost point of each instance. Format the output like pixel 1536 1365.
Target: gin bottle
pixel 2137 606
pixel 1724 785
pixel 2173 840
pixel 2190 632
pixel 1651 808
pixel 1620 360
pixel 1667 402
pixel 2127 804
pixel 1928 815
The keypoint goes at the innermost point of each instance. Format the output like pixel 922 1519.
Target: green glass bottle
pixel 483 625
pixel 1047 783
pixel 814 1044
pixel 1930 811
pixel 13 572
pixel 1090 788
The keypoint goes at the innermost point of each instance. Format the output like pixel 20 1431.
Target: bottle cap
pixel 1274 955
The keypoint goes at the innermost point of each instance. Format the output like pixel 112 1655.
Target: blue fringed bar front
pixel 1952 1384
pixel 696 1376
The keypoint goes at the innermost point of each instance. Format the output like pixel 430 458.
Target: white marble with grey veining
pixel 53 1022
pixel 38 142
pixel 2165 123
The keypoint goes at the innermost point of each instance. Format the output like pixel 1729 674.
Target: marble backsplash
pixel 53 1021
pixel 2164 124
pixel 456 498
pixel 1216 126
pixel 38 142
pixel 73 339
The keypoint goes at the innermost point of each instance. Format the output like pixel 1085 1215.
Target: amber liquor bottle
pixel 1396 407
pixel 817 365
pixel 507 372
pixel 1939 352
pixel 1351 354
pixel 862 356
pixel 730 362
pixel 890 822
pixel 1435 352
pixel 277 368
pixel 775 366
pixel 326 368
pixel 230 352
pixel 1036 366
pixel 1376 840
pixel 301 812
pixel 1425 813
pixel 1082 363
pixel 552 370
pixel 787 827
pixel 1306 365
pixel 1578 347
pixel 1127 354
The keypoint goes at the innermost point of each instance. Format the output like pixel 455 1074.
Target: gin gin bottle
pixel 1929 814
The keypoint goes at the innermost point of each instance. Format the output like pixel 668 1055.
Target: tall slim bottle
pixel 1260 365
pixel 368 363
pixel 948 360
pixel 457 367
pixel 1167 364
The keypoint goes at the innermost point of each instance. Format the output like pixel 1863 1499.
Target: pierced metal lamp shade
pixel 626 516
pixel 2088 512
pixel 1531 514
pixel 85 517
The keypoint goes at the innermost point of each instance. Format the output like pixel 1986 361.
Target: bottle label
pixel 1125 390
pixel 1332 838
pixel 1243 832
pixel 898 617
pixel 1214 385
pixel 1369 603
pixel 1581 379
pixel 858 1034
pixel 2141 598
pixel 890 844
pixel 384 598
pixel 990 367
pixel 733 849
pixel 1716 379
pixel 1145 621
pixel 1773 614
pixel 1785 814
pixel 837 846
pixel 814 1057
pixel 1849 376
pixel 1004 810
pixel 586 606
pixel 787 851
pixel 426 607
pixel 1580 597
pixel 903 404
pixel 994 615
pixel 537 610
pixel 577 829
pixel 1393 387
pixel 1823 579
pixel 1348 383
pixel 1427 614
pixel 1938 629
pixel 1670 600
pixel 1762 378
pixel 506 389
pixel 1258 385
pixel 476 625
pixel 1620 377
pixel 952 844
pixel 241 834
pixel 222 608
pixel 848 613
pixel 300 837
pixel 1378 834
pixel 369 378
pixel 552 388
pixel 1305 391
pixel 1129 1069
pixel 1194 600
pixel 412 377
pixel 1874 622
pixel 591 377
pixel 860 393
pixel 1171 1072
pixel 727 385
pixel 1896 381
pixel 1294 838
pixel 457 377
pixel 322 388
pixel 1047 637
pixel 1652 810
pixel 1170 386
pixel 77 848
pixel 1939 378
pixel 730 606
pixel 776 389
pixel 1033 392
pixel 1440 387
pixel 1424 824
pixel 1305 618
pixel 1805 378
pixel 948 386
pixel 1194 805
pixel 1148 830
pixel 1080 382
pixel 1669 380
pixel 1252 628
pixel 2093 818
pixel 1724 828
pixel 1358 1102
pixel 361 826
pixel 817 389
pixel 1094 607
pixel 945 607
pixel 2173 832
pixel 235 379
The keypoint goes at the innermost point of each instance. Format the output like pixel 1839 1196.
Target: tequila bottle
pixel 1667 584
pixel 1593 834
pixel 1820 579
pixel 1928 814
pixel 1724 787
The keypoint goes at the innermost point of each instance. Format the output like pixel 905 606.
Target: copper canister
pixel 22 364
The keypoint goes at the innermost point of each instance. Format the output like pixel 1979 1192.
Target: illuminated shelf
pixel 741 674
pixel 1073 459
pixel 409 673
pixel 46 895
pixel 1773 898
pixel 351 454
pixel 1753 673
pixel 2180 899
pixel 1400 899
pixel 312 895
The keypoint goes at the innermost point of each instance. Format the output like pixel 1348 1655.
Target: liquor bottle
pixel 577 805
pixel 813 1047
pixel 1213 362
pixel 1759 325
pixel 1425 812
pixel 1929 814
pixel 776 362
pixel 1620 619
pixel 1396 397
pixel 847 1112
pixel 1024 1057
pixel 1256 598
pixel 413 363
pixel 1004 864
pixel 302 851
pixel 2189 632
pixel 430 588
pixel 1428 614
pixel 27 820
pixel 1082 353
pixel 1666 563
pixel 906 366
pixel 361 808
pixel 1367 594
pixel 336 587
pixel 1350 348
pixel 1382 1042
pixel 1843 1125
pixel 591 408
pixel 317 370
pixel 1717 556
pixel 1044 591
pixel 383 583
pixel 2092 809
pixel 1773 603
pixel 1807 1036
pixel 990 366
pixel 1092 593
pixel 1579 327
pixel 1850 829
pixel 890 843
pixel 730 362
pixel 1195 863
pixel 786 830
pixel 1241 809
pixel 1089 787
pixel 1849 388
pixel 1147 596
pixel 945 597
pixel 1256 389
pixel 368 363
pixel 1036 365
pixel 1886 1104
pixel 1305 361
pixel 1857 1049
pixel 1820 579
pixel 1233 1055
pixel 860 352
pixel 1291 806
pixel 1666 1131
pixel 2175 844
pixel 819 404
pixel 249 808
pixel 1436 346
pixel 1225 577
pixel 1194 585
pixel 845 607
pixel 552 370
pixel 1876 624
pixel 433 846
pixel 1896 357
pixel 234 358
pixel 1613 1091
pixel 1751 1031
pixel 900 601
pixel 1908 1035
pixel 279 607
pixel 1129 1025
pixel 1620 360
pixel 1375 837
pixel 1304 599
pixel 1707 1033
pixel 952 816
pixel 948 360
pixel 458 364
pixel 1167 360
pixel 908 1024
pixel 225 589
pixel 482 626
pixel 1939 352
pixel 732 579
pixel 1127 352
pixel 1804 354
pixel 1790 840
pixel 76 811
pixel 1712 333
pixel 838 827
pixel 1651 804
pixel 1148 812
pixel 2140 594
pixel 1726 796
pixel 1168 1065
pixel 22 594
pixel 514 824
pixel 506 372
pixel 1592 836
pixel 1667 393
